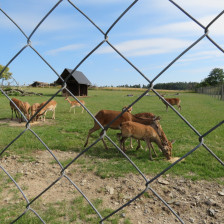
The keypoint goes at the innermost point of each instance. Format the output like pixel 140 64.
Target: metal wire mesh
pixel 105 39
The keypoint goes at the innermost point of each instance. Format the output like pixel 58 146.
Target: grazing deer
pixel 33 110
pixel 27 109
pixel 146 133
pixel 23 106
pixel 13 108
pixel 172 101
pixel 141 115
pixel 51 106
pixel 75 104
pixel 105 117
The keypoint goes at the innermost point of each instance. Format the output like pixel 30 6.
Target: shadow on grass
pixel 112 152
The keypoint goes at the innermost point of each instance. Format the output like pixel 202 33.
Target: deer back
pixel 173 101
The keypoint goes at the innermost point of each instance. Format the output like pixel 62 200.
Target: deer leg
pixel 53 117
pixel 153 149
pixel 20 117
pixel 44 115
pixel 139 145
pixel 123 139
pixel 105 145
pixel 16 113
pixel 89 133
pixel 120 139
pixel 149 146
pixel 131 143
pixel 12 113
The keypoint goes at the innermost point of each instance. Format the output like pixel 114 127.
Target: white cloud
pixel 145 47
pixel 71 47
pixel 204 5
pixel 186 28
pixel 202 55
pixel 196 8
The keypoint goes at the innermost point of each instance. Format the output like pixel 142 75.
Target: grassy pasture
pixel 68 132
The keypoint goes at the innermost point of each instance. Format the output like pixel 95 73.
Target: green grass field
pixel 68 133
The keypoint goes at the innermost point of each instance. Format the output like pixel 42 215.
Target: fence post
pixel 222 92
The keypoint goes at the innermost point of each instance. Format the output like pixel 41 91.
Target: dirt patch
pixel 198 202
pixel 15 123
pixel 174 159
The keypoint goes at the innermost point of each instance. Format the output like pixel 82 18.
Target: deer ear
pixel 157 118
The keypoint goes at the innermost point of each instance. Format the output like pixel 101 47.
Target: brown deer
pixel 13 107
pixel 33 110
pixel 105 117
pixel 141 115
pixel 148 134
pixel 51 106
pixel 23 106
pixel 27 109
pixel 172 101
pixel 75 104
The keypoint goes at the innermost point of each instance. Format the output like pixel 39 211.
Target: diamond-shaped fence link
pixel 105 35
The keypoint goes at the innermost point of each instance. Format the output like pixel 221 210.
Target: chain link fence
pixel 105 39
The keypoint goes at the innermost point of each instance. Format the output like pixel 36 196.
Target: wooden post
pixel 222 92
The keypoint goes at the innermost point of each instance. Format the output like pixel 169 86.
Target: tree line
pixel 167 86
pixel 215 77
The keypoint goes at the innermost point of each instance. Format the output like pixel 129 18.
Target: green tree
pixel 216 76
pixel 5 75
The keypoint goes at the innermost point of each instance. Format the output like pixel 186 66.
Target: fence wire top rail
pixel 29 204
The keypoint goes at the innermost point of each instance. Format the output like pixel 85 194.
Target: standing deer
pixel 172 101
pixel 146 133
pixel 51 106
pixel 105 117
pixel 75 104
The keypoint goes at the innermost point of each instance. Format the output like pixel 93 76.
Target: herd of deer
pixel 141 126
pixel 29 111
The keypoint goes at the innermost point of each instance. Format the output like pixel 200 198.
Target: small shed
pixel 40 84
pixel 77 83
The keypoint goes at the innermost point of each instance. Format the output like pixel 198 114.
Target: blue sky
pixel 150 35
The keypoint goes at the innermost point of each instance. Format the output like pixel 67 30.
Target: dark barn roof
pixel 77 75
pixel 37 83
